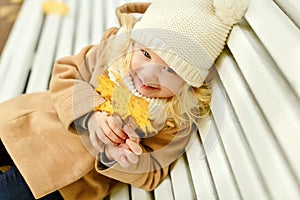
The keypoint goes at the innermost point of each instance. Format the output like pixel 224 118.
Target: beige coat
pixel 37 130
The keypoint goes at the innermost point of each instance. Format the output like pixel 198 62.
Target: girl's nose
pixel 151 73
pixel 152 68
pixel 150 80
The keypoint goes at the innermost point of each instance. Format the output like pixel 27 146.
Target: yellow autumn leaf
pixel 121 101
pixel 16 1
pixel 8 10
pixel 54 7
pixel 138 108
pixel 106 107
pixel 9 13
pixel 105 87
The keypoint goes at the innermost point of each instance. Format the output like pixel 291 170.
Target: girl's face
pixel 152 77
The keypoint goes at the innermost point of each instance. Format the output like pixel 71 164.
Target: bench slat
pixel 67 32
pixel 20 63
pixel 82 37
pixel 237 149
pixel 164 190
pixel 111 20
pixel 10 47
pixel 98 21
pixel 258 134
pixel 219 166
pixel 279 35
pixel 198 166
pixel 12 40
pixel 138 193
pixel 43 60
pixel 121 193
pixel 291 9
pixel 181 182
pixel 273 95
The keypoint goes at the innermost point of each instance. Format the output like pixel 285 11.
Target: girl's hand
pixel 133 142
pixel 121 154
pixel 105 129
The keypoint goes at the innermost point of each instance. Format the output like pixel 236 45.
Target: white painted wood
pixel 121 193
pixel 181 180
pixel 279 35
pixel 267 154
pixel 98 20
pixel 199 168
pixel 83 25
pixel 10 46
pixel 43 60
pixel 220 169
pixel 237 149
pixel 164 191
pixel 274 96
pixel 111 20
pixel 291 9
pixel 138 193
pixel 15 76
pixel 67 31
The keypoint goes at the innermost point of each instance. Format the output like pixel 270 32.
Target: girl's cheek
pixel 135 60
pixel 173 83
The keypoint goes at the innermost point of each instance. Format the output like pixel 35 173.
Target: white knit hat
pixel 188 34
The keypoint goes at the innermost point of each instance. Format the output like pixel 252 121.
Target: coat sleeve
pixel 72 84
pixel 159 152
pixel 74 78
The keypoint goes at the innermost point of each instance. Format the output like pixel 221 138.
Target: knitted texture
pixel 188 34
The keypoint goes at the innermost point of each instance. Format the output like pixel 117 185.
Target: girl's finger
pixel 95 142
pixel 123 162
pixel 101 136
pixel 111 135
pixel 129 129
pixel 131 157
pixel 134 147
pixel 114 123
pixel 100 122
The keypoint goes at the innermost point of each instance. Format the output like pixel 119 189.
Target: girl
pixel 164 59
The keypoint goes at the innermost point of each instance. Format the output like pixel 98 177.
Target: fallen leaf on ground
pixel 9 12
pixel 54 7
pixel 16 1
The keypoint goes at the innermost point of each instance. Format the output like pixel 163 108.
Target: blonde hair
pixel 189 106
pixel 182 110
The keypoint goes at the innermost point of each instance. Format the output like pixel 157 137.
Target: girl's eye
pixel 146 54
pixel 169 69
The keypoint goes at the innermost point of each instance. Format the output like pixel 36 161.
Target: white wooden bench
pixel 247 149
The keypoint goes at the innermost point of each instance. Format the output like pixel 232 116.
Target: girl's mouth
pixel 146 87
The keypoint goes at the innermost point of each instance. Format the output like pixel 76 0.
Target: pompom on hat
pixel 188 34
